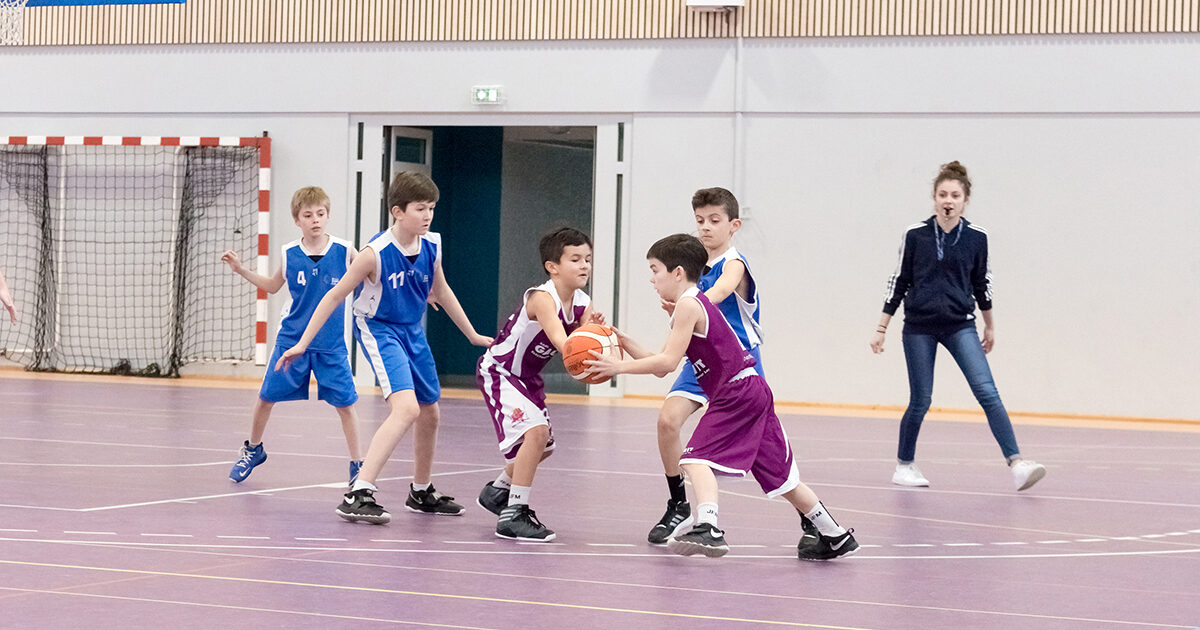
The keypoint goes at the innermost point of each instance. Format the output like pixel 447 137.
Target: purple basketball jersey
pixel 522 348
pixel 717 355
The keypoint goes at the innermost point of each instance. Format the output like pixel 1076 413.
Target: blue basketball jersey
pixel 307 283
pixel 401 287
pixel 741 314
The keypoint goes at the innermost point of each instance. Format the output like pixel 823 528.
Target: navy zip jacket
pixel 940 292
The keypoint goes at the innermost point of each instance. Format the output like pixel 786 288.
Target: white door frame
pixel 609 231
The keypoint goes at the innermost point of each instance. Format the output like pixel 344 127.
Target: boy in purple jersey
pixel 740 432
pixel 510 376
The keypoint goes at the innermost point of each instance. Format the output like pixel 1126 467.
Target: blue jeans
pixel 920 350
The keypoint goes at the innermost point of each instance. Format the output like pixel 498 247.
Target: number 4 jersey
pixel 309 276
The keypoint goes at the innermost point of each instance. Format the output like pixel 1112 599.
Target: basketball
pixel 579 347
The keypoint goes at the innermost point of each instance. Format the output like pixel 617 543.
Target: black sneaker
pixel 828 547
pixel 493 499
pixel 676 519
pixel 518 522
pixel 811 534
pixel 432 502
pixel 704 538
pixel 360 505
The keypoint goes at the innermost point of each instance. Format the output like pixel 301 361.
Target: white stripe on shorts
pixel 371 348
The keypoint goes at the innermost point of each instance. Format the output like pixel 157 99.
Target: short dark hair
pixel 716 197
pixel 410 186
pixel 554 242
pixel 681 250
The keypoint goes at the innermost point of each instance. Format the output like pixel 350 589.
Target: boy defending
pixel 740 432
pixel 400 271
pixel 310 267
pixel 510 376
pixel 727 282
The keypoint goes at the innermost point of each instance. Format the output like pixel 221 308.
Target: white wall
pixel 1083 149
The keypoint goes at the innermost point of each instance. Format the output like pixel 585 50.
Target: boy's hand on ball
pixel 602 365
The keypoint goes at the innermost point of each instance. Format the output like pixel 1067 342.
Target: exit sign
pixel 486 95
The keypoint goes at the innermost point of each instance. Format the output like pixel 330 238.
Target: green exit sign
pixel 486 95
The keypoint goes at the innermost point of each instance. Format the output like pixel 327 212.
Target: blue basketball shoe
pixel 249 458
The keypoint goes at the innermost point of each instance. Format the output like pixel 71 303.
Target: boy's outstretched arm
pixel 6 299
pixel 359 270
pixel 444 296
pixel 733 278
pixel 687 313
pixel 268 284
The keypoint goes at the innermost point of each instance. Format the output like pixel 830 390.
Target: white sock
pixel 421 486
pixel 706 513
pixel 503 481
pixel 519 495
pixel 824 522
pixel 361 484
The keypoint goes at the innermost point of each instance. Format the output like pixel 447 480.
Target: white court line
pixel 69 531
pixel 265 491
pixel 1087 540
pixel 501 551
pixel 58 465
pixel 913 545
pixel 469 542
pixel 388 540
pixel 1009 495
pixel 323 539
pixel 1009 543
pixel 170 535
pixel 1053 542
pixel 24 531
pixel 964 544
pixel 246 537
pixel 613 545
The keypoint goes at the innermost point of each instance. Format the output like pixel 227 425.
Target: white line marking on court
pixel 541 544
pixel 26 531
pixel 1053 542
pixel 90 533
pixel 63 465
pixel 611 545
pixel 469 542
pixel 911 545
pixel 1086 540
pixel 170 535
pixel 246 537
pixel 963 544
pixel 1175 534
pixel 390 540
pixel 504 552
pixel 1152 535
pixel 1009 543
pixel 1124 538
pixel 323 539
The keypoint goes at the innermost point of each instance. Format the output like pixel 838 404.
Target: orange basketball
pixel 579 347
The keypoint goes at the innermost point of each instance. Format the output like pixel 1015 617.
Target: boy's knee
pixel 538 436
pixel 670 422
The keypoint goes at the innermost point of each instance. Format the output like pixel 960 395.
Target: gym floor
pixel 115 508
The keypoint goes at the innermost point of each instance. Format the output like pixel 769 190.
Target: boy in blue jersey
pixel 727 282
pixel 400 270
pixel 310 267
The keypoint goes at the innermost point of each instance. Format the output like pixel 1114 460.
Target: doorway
pixel 501 189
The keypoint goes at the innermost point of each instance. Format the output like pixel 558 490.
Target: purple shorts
pixel 740 434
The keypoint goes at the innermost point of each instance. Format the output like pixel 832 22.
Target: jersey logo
pixel 518 415
pixel 544 350
pixel 699 368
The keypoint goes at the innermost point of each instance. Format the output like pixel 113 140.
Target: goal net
pixel 111 248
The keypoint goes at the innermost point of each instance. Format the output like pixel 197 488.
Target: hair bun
pixel 954 168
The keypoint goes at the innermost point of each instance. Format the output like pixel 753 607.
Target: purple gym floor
pixel 115 509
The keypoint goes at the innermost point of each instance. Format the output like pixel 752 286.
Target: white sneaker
pixel 1026 473
pixel 909 475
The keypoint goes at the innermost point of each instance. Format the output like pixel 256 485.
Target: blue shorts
pixel 335 384
pixel 686 386
pixel 400 357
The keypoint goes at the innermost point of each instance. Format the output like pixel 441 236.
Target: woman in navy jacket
pixel 943 272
